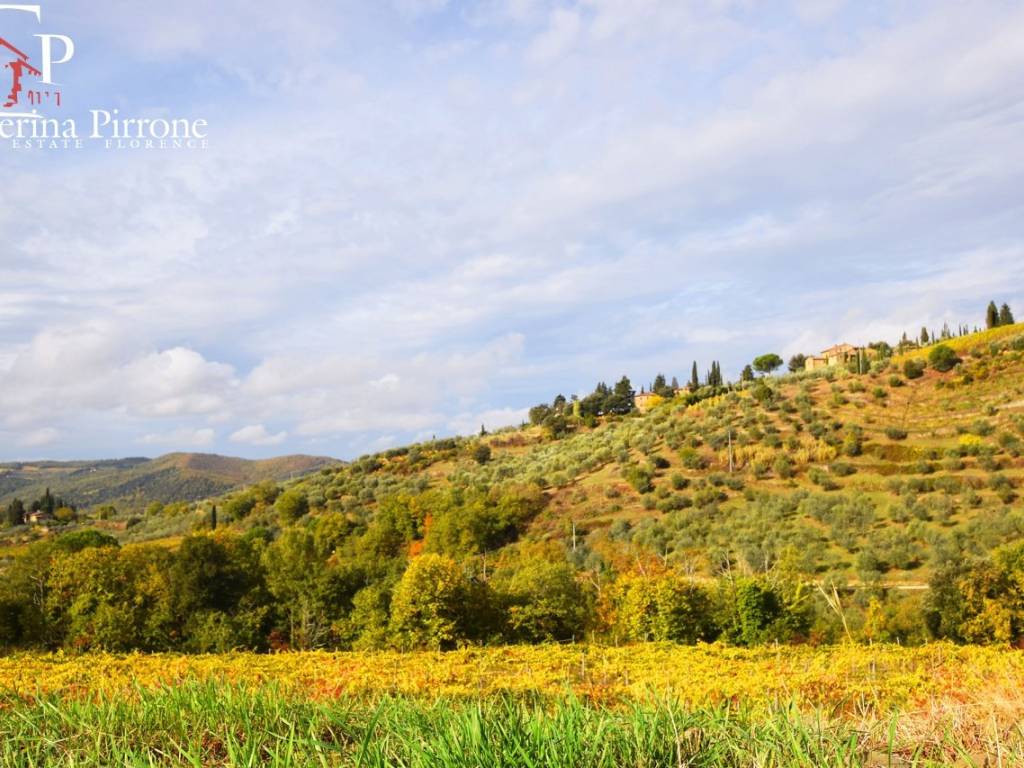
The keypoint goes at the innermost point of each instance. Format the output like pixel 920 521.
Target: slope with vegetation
pixel 811 507
pixel 132 484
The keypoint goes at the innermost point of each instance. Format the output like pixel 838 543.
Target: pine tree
pixel 924 335
pixel 694 378
pixel 991 316
pixel 1005 315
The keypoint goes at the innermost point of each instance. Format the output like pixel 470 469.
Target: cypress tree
pixel 694 378
pixel 1005 315
pixel 991 316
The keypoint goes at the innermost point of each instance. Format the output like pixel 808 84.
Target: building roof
pixel 839 349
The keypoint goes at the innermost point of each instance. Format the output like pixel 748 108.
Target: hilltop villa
pixel 839 354
pixel 644 401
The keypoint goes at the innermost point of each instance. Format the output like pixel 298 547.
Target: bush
pixel 895 433
pixel 842 469
pixel 913 369
pixel 679 482
pixel 783 467
pixel 639 477
pixel 482 453
pixel 942 358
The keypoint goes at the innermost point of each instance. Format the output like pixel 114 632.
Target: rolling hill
pixel 816 506
pixel 132 483
pixel 869 477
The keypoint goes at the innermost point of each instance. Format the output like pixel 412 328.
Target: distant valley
pixel 132 483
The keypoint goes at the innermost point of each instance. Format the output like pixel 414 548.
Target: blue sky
pixel 417 216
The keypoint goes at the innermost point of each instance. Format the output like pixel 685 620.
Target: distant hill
pixel 132 483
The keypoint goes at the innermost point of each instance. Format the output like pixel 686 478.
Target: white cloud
pixel 562 31
pixel 40 437
pixel 471 212
pixel 257 434
pixel 183 438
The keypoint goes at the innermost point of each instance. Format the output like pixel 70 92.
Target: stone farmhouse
pixel 644 401
pixel 838 354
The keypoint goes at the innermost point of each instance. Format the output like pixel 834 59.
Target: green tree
pixel 991 316
pixel 240 506
pixel 942 358
pixel 1005 315
pixel 756 611
pixel 291 505
pixel 482 453
pixel 747 374
pixel 980 600
pixel 309 594
pixel 664 608
pixel 765 364
pixel 797 363
pixel 15 513
pixel 694 384
pixel 76 541
pixel 432 605
pixel 542 600
pixel 218 594
pixel 620 400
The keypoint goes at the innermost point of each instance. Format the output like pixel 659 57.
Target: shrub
pixel 822 479
pixel 482 453
pixel 842 469
pixel 896 433
pixel 783 467
pixel 942 358
pixel 639 477
pixel 913 369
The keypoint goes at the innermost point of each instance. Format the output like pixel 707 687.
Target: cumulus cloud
pixel 403 229
pixel 40 437
pixel 180 439
pixel 257 434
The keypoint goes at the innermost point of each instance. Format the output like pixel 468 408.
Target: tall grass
pixel 207 724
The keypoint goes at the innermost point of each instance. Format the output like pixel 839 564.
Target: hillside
pixel 847 475
pixel 133 483
pixel 880 506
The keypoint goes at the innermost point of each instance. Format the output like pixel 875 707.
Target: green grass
pixel 214 724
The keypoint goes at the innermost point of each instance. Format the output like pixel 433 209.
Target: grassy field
pixel 654 705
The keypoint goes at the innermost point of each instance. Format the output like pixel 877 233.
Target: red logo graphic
pixel 19 67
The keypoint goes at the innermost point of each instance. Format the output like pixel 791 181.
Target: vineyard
pixel 654 704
